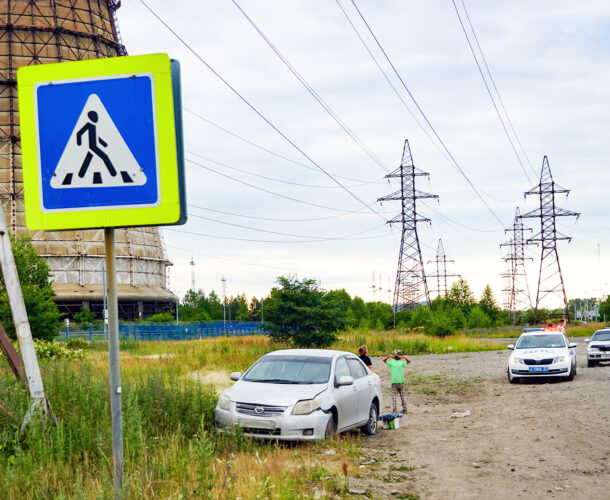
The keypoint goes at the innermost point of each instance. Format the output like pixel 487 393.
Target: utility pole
pixel 517 288
pixel 192 264
pixel 441 261
pixel 411 286
pixel 550 279
pixel 224 304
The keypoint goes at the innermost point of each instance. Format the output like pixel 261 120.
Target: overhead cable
pixel 255 110
pixel 453 160
pixel 311 90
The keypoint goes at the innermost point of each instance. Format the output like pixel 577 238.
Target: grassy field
pixel 171 449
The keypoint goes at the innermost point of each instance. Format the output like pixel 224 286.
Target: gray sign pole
pixel 115 369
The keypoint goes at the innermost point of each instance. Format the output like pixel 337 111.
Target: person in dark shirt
pixel 363 355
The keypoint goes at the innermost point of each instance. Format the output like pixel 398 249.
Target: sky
pixel 276 186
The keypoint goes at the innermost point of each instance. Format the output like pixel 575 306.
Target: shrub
pixel 77 343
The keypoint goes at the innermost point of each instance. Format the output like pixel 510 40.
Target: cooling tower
pixel 49 31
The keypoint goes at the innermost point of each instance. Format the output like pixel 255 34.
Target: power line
pixel 454 161
pixel 493 101
pixel 496 88
pixel 273 179
pixel 311 90
pixel 263 117
pixel 273 192
pixel 278 232
pixel 267 218
pixel 266 150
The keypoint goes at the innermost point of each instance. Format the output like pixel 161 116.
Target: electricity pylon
pixel 550 279
pixel 411 286
pixel 441 261
pixel 517 289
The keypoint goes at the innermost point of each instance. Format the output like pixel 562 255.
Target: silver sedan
pixel 302 394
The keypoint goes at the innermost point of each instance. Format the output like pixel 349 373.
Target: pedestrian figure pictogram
pixel 101 152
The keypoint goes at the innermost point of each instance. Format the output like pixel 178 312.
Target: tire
pixel 513 380
pixel 590 363
pixel 370 427
pixel 331 427
pixel 570 377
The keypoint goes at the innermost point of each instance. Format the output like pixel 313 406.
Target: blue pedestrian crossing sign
pixel 102 143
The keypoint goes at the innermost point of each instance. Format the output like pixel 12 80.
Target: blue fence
pixel 169 331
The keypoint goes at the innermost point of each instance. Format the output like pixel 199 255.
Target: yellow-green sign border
pixel 168 211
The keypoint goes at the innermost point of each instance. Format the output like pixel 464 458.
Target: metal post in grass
pixel 115 369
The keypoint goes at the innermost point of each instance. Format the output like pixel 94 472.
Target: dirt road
pixel 471 434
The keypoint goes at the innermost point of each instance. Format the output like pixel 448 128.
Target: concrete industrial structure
pixel 49 31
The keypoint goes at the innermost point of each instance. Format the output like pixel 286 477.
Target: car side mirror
pixel 510 347
pixel 345 380
pixel 235 376
pixel 572 345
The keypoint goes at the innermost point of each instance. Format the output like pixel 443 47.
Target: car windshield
pixel 599 336
pixel 537 341
pixel 286 369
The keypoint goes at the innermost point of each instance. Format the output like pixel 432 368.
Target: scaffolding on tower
pixel 411 287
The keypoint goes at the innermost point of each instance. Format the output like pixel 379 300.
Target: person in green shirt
pixel 396 363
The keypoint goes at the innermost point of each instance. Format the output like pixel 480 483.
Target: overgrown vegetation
pixel 39 297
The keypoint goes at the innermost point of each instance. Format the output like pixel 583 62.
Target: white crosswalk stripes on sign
pixel 96 154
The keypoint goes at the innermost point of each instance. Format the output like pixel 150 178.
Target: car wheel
pixel 513 380
pixel 370 427
pixel 331 427
pixel 572 372
pixel 590 363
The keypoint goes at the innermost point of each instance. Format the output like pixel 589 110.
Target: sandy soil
pixel 529 440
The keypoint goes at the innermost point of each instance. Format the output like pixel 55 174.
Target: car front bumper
pixel 285 427
pixel 598 355
pixel 554 370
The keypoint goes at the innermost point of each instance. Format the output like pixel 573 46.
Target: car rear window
pixel 288 369
pixel 540 341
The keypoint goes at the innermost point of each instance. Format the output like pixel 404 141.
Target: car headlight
pixel 518 360
pixel 306 406
pixel 592 349
pixel 224 402
pixel 560 359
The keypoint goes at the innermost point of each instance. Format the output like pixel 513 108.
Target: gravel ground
pixel 470 434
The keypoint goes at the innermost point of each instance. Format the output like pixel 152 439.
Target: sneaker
pixel 404 411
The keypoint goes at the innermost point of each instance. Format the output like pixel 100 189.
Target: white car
pixel 598 349
pixel 302 394
pixel 541 353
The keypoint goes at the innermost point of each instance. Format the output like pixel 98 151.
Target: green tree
pixel 194 307
pixel 255 309
pixel 38 295
pixel 489 305
pixel 85 316
pixel 214 306
pixel 461 295
pixel 162 318
pixel 242 313
pixel 300 314
pixel 478 318
pixel 604 309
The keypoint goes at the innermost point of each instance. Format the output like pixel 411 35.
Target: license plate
pixel 539 368
pixel 257 424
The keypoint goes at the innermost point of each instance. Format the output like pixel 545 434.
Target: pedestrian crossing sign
pixel 102 143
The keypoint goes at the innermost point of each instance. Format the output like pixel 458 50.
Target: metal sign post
pixel 102 148
pixel 114 362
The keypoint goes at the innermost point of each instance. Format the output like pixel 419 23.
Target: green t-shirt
pixel 397 375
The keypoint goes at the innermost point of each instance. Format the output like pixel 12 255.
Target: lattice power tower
pixel 411 287
pixel 517 290
pixel 550 279
pixel 441 275
pixel 49 31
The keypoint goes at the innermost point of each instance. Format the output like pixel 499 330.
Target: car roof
pixel 542 332
pixel 322 353
pixel 603 330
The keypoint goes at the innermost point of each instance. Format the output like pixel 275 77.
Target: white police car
pixel 598 349
pixel 542 353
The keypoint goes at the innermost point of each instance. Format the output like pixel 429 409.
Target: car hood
pixel 272 394
pixel 594 343
pixel 540 353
